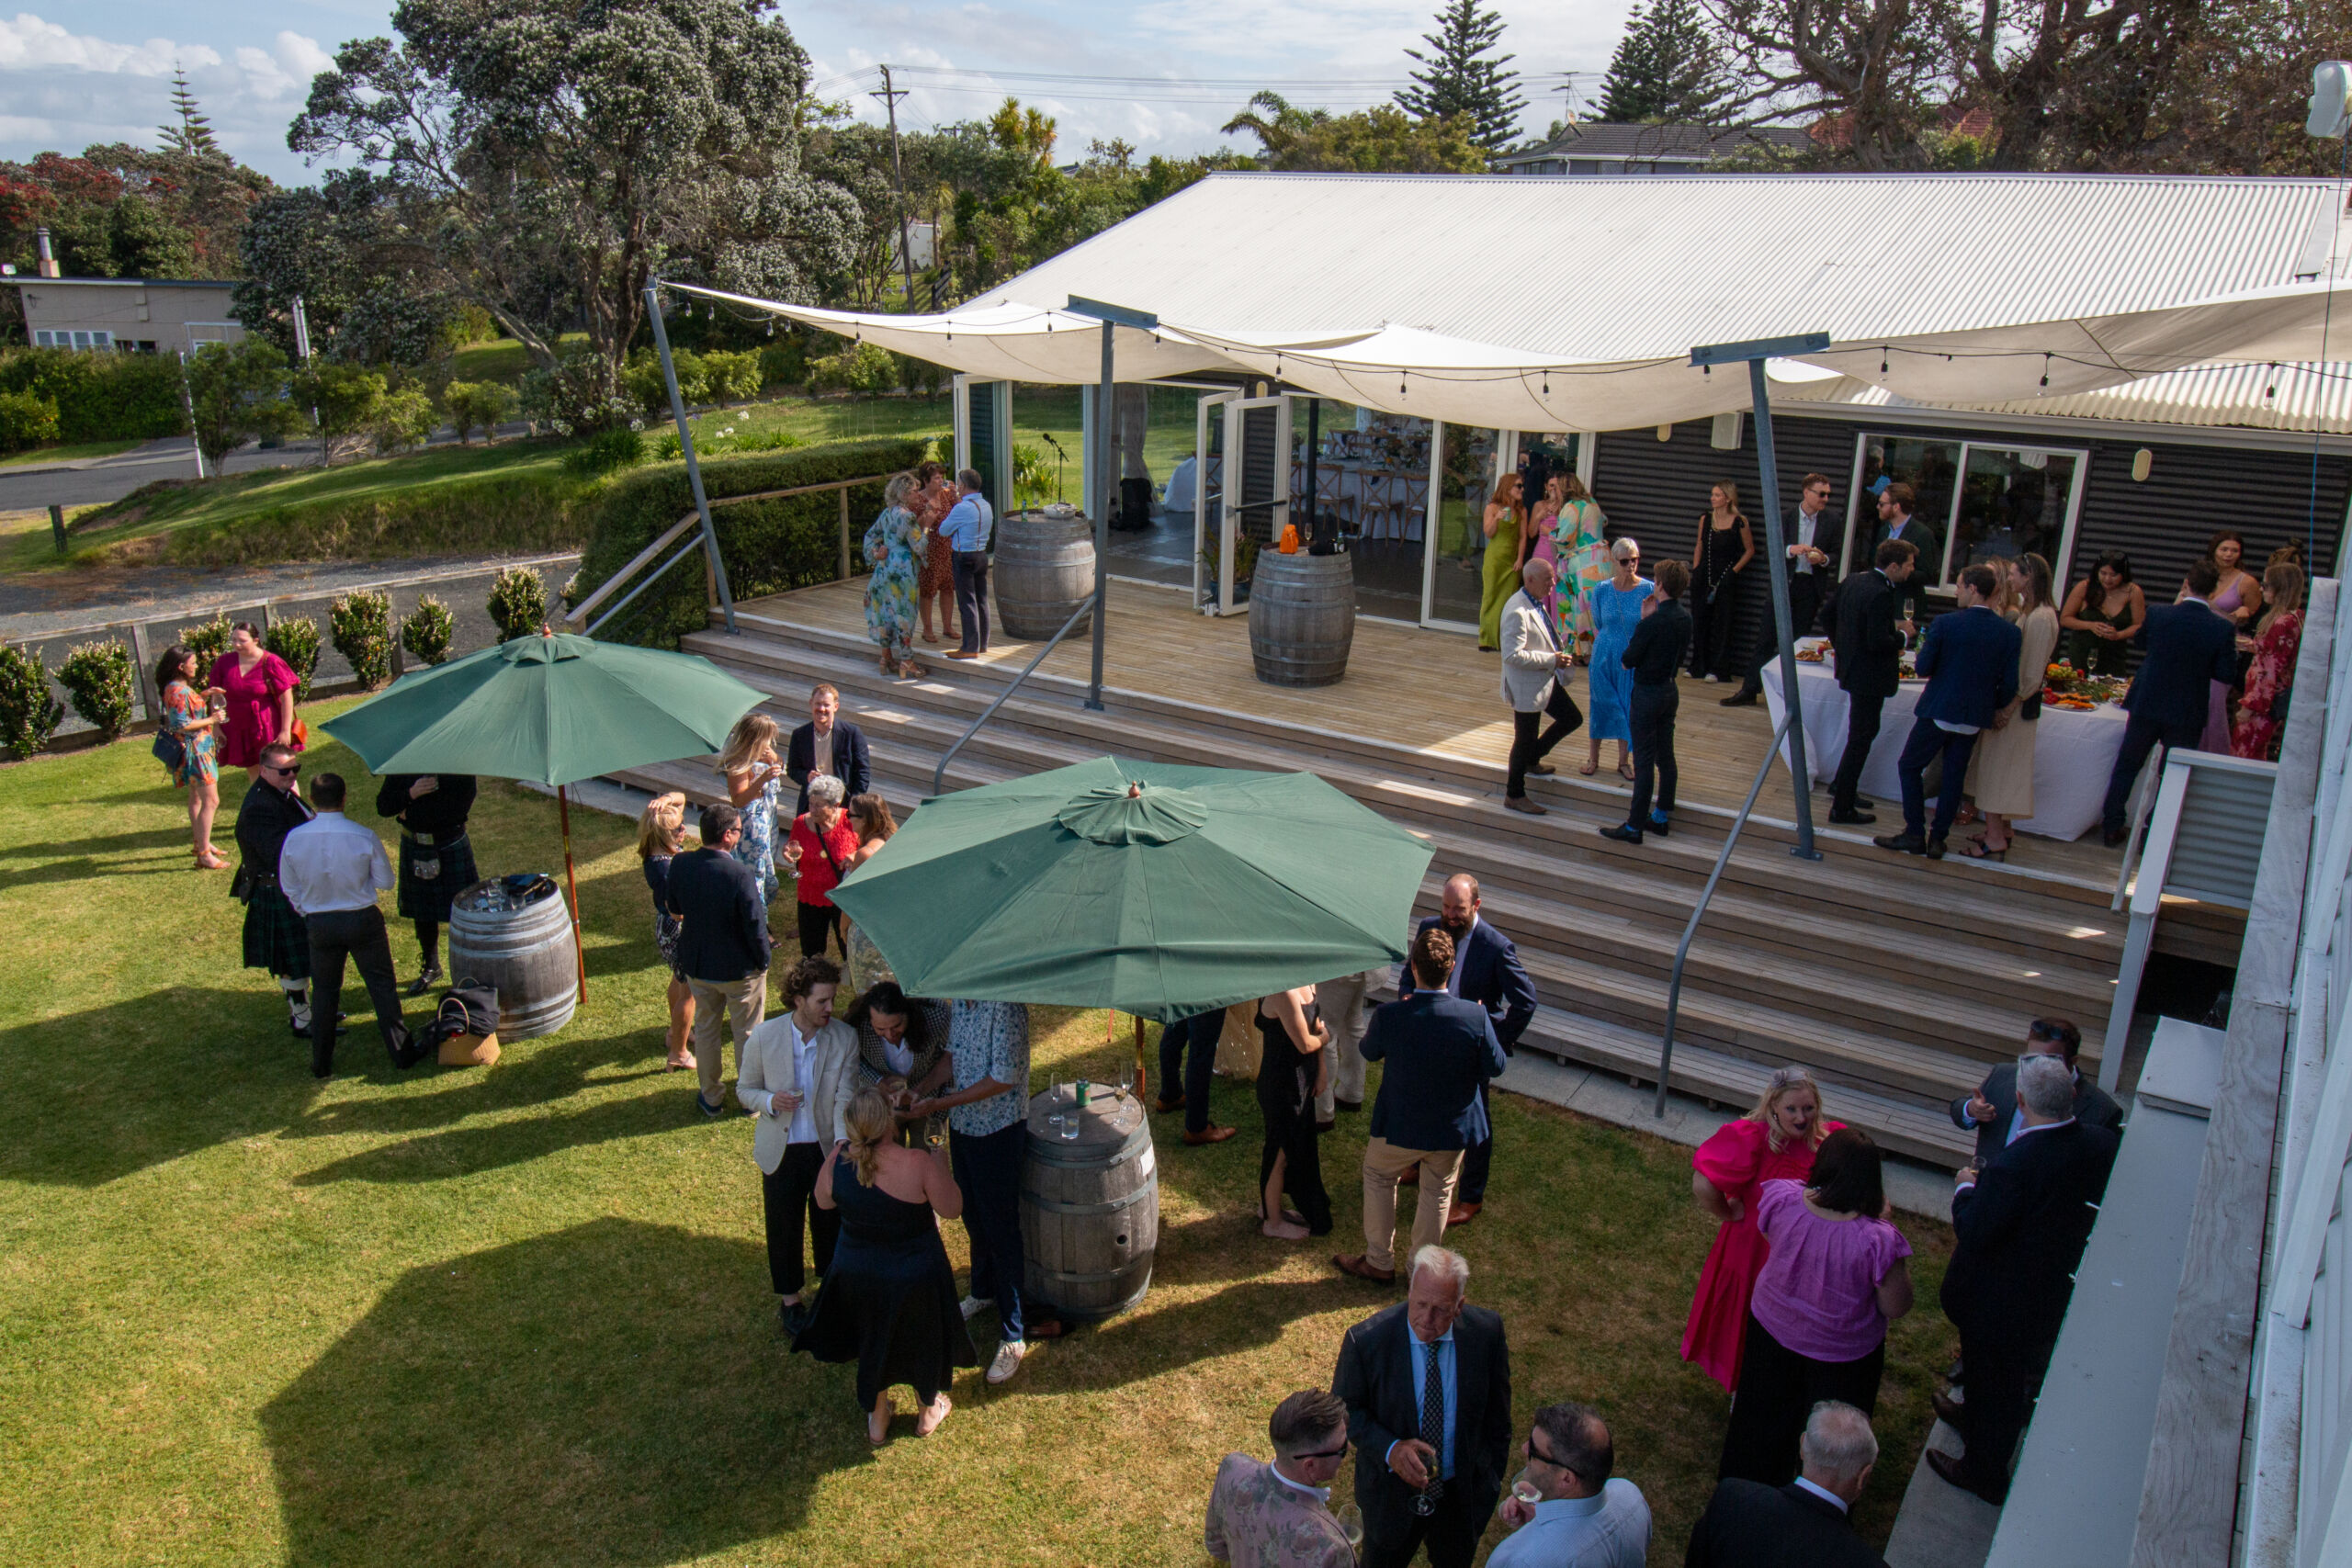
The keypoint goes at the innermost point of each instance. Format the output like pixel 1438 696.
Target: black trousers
pixel 1926 741
pixel 988 1168
pixel 1291 1132
pixel 2140 737
pixel 1528 748
pixel 2003 1376
pixel 1477 1161
pixel 358 935
pixel 1804 603
pixel 1861 734
pixel 1711 626
pixel 816 922
pixel 1651 715
pixel 788 1193
pixel 1777 1389
pixel 1392 1535
pixel 1187 1060
pixel 972 598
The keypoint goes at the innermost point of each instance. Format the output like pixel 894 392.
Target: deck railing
pixel 940 773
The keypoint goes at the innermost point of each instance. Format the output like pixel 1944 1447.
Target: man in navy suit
pixel 823 746
pixel 1486 971
pixel 1970 659
pixel 2020 1227
pixel 1441 1050
pixel 1804 1524
pixel 2191 646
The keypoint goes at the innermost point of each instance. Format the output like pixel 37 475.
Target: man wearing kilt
pixel 276 940
pixel 437 858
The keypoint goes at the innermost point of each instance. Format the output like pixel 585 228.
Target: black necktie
pixel 1433 1423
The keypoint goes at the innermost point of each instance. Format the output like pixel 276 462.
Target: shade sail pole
pixel 1105 485
pixel 571 882
pixel 686 448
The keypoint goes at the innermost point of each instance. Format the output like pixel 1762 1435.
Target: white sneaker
pixel 1713 680
pixel 974 1305
pixel 1008 1361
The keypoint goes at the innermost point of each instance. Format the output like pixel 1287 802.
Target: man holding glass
pixel 1564 1508
pixel 1279 1514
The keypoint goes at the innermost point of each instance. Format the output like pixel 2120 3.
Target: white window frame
pixel 1945 589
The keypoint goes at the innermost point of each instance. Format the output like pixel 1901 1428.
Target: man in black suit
pixel 723 950
pixel 2191 645
pixel 821 746
pixel 1810 568
pixel 1486 971
pixel 1427 1385
pixel 1441 1050
pixel 1970 659
pixel 1804 1524
pixel 1992 1110
pixel 2020 1227
pixel 1866 632
pixel 1895 521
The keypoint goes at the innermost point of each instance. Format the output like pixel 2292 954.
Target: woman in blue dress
pixel 754 773
pixel 1613 609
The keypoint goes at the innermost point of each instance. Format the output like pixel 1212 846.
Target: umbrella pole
pixel 572 883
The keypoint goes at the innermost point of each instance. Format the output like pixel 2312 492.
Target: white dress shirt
pixel 331 862
pixel 1807 522
pixel 1824 1493
pixel 803 1118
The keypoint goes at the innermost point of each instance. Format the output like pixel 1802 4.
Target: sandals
pixel 932 1415
pixel 1977 849
pixel 211 859
pixel 873 1438
pixel 1591 768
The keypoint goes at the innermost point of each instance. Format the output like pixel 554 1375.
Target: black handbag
pixel 169 749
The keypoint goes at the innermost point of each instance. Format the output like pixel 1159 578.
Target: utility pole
pixel 890 97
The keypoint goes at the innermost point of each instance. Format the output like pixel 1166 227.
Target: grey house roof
pixel 1655 143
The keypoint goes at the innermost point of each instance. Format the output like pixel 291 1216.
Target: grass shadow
pixel 471 1150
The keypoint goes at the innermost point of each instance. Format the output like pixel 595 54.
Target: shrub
pixel 645 384
pixel 100 397
pixel 518 602
pixel 97 680
pixel 733 378
pixel 606 452
pixel 295 640
pixel 863 368
pixel 1031 474
pixel 345 397
pixel 578 396
pixel 209 640
pixel 768 546
pixel 27 419
pixel 521 510
pixel 784 363
pixel 402 419
pixel 429 630
pixel 239 390
pixel 29 714
pixel 478 405
pixel 361 625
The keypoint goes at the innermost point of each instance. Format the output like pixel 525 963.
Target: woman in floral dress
pixel 2262 714
pixel 754 773
pixel 1584 563
pixel 891 547
pixel 188 716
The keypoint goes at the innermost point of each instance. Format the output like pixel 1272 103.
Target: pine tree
pixel 1665 70
pixel 192 137
pixel 1458 80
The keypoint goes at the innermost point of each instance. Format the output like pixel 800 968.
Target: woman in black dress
pixel 888 1301
pixel 437 858
pixel 1726 547
pixel 1289 1074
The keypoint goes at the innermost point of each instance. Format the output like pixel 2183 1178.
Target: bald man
pixel 1486 971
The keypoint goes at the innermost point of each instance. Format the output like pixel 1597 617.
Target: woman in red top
pixel 1775 1141
pixel 259 689
pixel 823 849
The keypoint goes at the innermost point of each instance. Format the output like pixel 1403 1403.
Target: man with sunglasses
pixel 277 939
pixel 1279 1514
pixel 1810 569
pixel 1582 1518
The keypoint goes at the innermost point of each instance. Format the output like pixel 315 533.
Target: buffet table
pixel 2074 750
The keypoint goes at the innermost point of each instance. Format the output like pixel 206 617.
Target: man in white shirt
pixel 1584 1518
pixel 966 528
pixel 1809 572
pixel 798 1073
pixel 331 870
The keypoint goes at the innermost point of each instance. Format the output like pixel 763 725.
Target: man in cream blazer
pixel 796 1076
pixel 1532 664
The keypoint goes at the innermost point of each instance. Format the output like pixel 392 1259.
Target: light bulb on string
pixel 2045 369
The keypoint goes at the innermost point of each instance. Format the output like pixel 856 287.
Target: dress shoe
pixel 1950 1412
pixel 1521 803
pixel 1661 826
pixel 1541 770
pixel 1937 848
pixel 960 653
pixel 1623 833
pixel 1902 843
pixel 1356 1264
pixel 1164 1103
pixel 1943 1465
pixel 1212 1133
pixel 708 1109
pixel 1322 1127
pixel 2112 837
pixel 1348 1104
pixel 1462 1214
pixel 1739 700
pixel 1851 819
pixel 302 1031
pixel 1039 1328
pixel 423 982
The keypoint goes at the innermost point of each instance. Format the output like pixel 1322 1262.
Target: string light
pixel 1547 383
pixel 1881 359
pixel 2045 369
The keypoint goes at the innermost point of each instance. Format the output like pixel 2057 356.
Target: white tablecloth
pixel 1384 503
pixel 2073 751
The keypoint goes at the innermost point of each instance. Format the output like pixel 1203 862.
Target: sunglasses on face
pixel 282 772
pixel 1339 1452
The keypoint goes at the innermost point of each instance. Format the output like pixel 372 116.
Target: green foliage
pixel 1381 140
pixel 238 390
pixel 98 681
pixel 1458 82
pixel 295 640
pixel 785 362
pixel 646 383
pixel 518 601
pixel 340 246
pixel 768 546
pixel 1667 68
pixel 719 438
pixel 344 397
pixel 361 625
pixel 210 639
pixel 27 419
pixel 606 452
pixel 1031 474
pixel 124 211
pixel 919 376
pixel 29 714
pixel 859 368
pixel 477 405
pixel 403 418
pixel 732 378
pixel 429 630
pixel 100 397
pixel 578 394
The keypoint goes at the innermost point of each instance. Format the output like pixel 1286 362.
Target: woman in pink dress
pixel 259 689
pixel 1775 1141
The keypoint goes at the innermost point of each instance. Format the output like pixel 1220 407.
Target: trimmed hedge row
pixel 100 397
pixel 535 511
pixel 768 546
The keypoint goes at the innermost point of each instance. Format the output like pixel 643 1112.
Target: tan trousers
pixel 1342 1003
pixel 744 1002
pixel 1383 1163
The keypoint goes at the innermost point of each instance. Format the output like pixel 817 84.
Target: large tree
pixel 1380 140
pixel 1880 68
pixel 1458 81
pixel 1665 70
pixel 327 245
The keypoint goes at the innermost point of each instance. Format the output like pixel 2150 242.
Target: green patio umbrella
pixel 1149 888
pixel 553 708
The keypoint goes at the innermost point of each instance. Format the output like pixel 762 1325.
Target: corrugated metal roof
pixel 2255 397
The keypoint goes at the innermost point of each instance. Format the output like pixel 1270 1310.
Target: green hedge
pixel 100 397
pixel 768 546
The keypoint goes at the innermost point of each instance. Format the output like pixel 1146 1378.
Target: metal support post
pixel 686 446
pixel 1776 557
pixel 1105 484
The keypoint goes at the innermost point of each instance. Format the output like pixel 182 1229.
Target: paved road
pixel 97 481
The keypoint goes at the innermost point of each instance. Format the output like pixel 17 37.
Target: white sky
pixel 101 72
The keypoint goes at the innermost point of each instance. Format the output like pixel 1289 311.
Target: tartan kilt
pixel 277 939
pixel 420 899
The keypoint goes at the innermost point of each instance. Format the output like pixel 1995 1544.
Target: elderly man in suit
pixel 1279 1514
pixel 1805 1523
pixel 2191 645
pixel 1486 970
pixel 827 747
pixel 1970 659
pixel 1441 1050
pixel 1866 631
pixel 1991 1110
pixel 1533 663
pixel 1427 1385
pixel 723 949
pixel 2020 1227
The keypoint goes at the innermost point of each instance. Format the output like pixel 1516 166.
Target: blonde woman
pixel 870 818
pixel 754 773
pixel 889 1298
pixel 2000 769
pixel 892 549
pixel 661 834
pixel 1774 1142
pixel 2271 679
pixel 1612 610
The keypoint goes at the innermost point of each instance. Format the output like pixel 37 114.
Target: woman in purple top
pixel 1816 1324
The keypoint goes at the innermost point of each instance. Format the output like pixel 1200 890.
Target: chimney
pixel 48 267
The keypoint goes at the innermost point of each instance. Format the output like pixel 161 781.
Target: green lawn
pixel 74 453
pixel 499 359
pixel 521 1315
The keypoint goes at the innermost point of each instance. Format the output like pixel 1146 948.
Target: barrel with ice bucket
pixel 1089 1202
pixel 513 935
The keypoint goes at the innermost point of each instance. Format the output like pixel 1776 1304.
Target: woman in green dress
pixel 1507 539
pixel 891 550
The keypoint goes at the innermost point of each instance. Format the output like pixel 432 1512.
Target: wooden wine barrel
pixel 1044 572
pixel 1302 617
pixel 1090 1206
pixel 525 955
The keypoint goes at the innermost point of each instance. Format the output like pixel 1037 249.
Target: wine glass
pixel 1126 1077
pixel 1523 1487
pixel 1349 1519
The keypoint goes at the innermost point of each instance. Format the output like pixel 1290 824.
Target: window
pixel 1978 500
pixel 61 338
